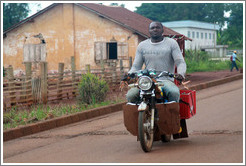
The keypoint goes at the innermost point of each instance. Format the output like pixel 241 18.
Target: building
pixel 89 32
pixel 203 35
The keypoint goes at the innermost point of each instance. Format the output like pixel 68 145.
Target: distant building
pixel 203 35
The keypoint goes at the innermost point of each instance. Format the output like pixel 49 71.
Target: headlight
pixel 144 83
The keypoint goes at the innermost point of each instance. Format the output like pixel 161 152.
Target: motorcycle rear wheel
pixel 145 134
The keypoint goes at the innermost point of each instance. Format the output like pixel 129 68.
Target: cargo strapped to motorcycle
pixel 191 107
pixel 187 103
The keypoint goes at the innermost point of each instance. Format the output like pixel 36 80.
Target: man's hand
pixel 125 77
pixel 180 78
pixel 123 84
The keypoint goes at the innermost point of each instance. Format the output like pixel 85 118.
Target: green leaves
pixel 207 12
pixel 234 32
pixel 91 89
pixel 14 13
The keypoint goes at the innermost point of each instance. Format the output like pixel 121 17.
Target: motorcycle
pixel 153 118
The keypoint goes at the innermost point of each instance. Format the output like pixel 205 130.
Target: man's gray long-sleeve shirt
pixel 161 56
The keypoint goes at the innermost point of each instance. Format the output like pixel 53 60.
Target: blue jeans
pixel 171 90
pixel 233 64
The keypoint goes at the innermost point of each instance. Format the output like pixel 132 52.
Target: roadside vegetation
pixel 92 93
pixel 200 61
pixel 15 118
pixel 92 89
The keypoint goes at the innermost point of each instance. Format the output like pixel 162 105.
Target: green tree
pixel 14 13
pixel 209 12
pixel 234 31
pixel 116 4
pixel 122 5
pixel 214 13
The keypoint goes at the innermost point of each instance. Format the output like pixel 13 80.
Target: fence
pixel 45 88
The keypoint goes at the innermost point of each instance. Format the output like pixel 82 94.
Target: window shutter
pixel 43 52
pixel 34 52
pixel 100 51
pixel 122 50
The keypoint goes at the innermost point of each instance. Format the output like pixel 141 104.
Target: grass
pixel 15 118
pixel 199 61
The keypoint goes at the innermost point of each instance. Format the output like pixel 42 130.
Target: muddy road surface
pixel 215 136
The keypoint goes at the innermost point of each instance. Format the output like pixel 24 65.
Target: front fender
pixel 142 106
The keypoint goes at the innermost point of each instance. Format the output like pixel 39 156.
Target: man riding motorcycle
pixel 162 54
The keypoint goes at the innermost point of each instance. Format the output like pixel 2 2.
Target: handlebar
pixel 163 73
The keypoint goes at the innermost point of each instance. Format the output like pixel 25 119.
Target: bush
pixel 196 55
pixel 91 89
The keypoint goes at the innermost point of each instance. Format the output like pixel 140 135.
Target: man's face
pixel 155 30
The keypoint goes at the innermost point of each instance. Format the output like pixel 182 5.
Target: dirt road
pixel 215 136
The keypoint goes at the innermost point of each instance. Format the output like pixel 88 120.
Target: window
pixel 188 33
pixel 197 35
pixel 201 35
pixel 209 35
pixel 213 36
pixel 206 35
pixel 110 50
pixel 193 34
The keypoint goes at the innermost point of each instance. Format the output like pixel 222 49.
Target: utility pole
pixel 214 39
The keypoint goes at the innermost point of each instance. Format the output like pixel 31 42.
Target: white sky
pixel 130 5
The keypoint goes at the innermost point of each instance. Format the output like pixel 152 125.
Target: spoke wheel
pixel 144 131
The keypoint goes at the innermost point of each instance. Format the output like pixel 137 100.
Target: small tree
pixel 91 89
pixel 14 13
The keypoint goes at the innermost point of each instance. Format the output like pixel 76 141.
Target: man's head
pixel 235 52
pixel 156 30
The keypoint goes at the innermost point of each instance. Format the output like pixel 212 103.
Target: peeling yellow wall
pixel 68 30
pixel 90 28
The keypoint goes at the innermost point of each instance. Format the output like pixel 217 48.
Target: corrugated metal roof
pixel 126 18
pixel 191 24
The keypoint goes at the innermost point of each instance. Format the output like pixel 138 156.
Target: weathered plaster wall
pixel 49 25
pixel 68 30
pixel 90 28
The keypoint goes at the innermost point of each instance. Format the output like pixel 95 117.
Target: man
pixel 233 60
pixel 162 54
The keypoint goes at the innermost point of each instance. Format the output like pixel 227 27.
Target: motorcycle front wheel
pixel 144 131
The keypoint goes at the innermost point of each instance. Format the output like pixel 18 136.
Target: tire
pixel 146 137
pixel 166 138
